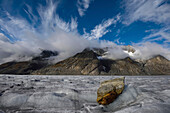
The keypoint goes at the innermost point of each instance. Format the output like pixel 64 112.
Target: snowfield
pixel 78 94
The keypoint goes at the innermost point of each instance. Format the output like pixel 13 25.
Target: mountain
pixel 85 62
pixel 125 66
pixel 45 54
pixel 128 48
pixel 157 65
pixel 27 67
pixel 88 62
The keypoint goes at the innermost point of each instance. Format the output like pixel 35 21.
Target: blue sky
pixel 137 19
pixel 123 22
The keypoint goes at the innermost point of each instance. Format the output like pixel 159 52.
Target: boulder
pixel 109 90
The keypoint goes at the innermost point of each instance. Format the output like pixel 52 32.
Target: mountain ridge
pixel 88 63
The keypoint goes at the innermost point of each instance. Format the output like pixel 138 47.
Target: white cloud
pixel 101 29
pixel 66 43
pixel 144 50
pixel 50 22
pixel 147 10
pixel 114 51
pixel 117 40
pixel 30 14
pixel 66 26
pixel 157 11
pixel 73 24
pixel 148 50
pixel 162 34
pixel 4 38
pixel 49 18
pixel 14 26
pixel 82 6
pixel 53 33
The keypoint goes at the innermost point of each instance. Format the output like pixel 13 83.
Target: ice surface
pixel 13 100
pixel 128 96
pixel 78 94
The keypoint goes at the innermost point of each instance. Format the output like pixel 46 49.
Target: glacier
pixel 78 94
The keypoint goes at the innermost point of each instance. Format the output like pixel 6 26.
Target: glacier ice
pixel 69 94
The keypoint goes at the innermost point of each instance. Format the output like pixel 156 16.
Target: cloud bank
pixel 143 51
pixel 147 50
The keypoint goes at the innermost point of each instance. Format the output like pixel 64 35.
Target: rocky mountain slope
pixel 88 62
pixel 157 65
pixel 85 63
pixel 27 67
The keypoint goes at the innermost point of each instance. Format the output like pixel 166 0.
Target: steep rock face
pixel 85 62
pixel 157 66
pixel 109 90
pixel 125 66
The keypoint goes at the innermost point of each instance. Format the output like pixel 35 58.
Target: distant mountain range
pixel 88 62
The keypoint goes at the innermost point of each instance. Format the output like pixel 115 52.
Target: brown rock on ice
pixel 109 90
